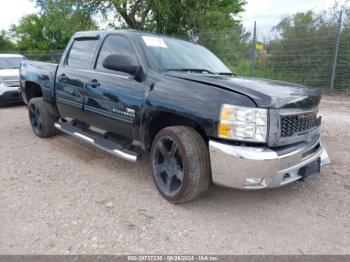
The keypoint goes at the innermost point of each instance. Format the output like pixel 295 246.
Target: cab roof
pixel 101 33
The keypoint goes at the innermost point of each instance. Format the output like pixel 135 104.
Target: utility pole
pixel 253 54
pixel 334 67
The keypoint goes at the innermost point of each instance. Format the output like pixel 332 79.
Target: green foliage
pixel 304 51
pixel 191 17
pixel 211 21
pixel 6 44
pixel 231 46
pixel 53 26
pixel 29 33
pixel 57 20
pixel 173 17
pixel 133 13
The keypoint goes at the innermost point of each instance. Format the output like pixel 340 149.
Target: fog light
pixel 254 181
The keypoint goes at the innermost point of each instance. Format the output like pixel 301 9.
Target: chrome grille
pixel 292 125
pixel 289 126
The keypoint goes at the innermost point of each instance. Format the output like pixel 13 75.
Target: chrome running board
pixel 102 143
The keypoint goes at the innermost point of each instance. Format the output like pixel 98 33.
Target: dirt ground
pixel 61 196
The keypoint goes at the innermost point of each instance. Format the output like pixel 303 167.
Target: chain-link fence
pixel 52 56
pixel 314 54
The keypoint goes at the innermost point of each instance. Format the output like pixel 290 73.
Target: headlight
pixel 243 123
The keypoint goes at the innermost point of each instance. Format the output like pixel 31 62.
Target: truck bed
pixel 38 73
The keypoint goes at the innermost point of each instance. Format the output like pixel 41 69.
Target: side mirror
pixel 120 63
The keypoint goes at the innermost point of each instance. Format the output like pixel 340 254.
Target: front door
pixel 113 99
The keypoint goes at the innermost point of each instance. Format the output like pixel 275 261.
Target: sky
pixel 12 10
pixel 267 13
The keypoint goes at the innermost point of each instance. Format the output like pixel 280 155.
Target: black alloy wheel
pixel 168 166
pixel 35 119
pixel 181 164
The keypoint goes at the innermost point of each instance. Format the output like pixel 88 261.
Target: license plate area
pixel 311 170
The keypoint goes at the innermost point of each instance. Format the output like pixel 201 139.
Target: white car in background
pixel 9 78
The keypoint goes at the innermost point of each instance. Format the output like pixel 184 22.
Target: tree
pixel 191 17
pixel 212 21
pixel 304 50
pixel 134 12
pixel 52 27
pixel 29 34
pixel 174 17
pixel 57 20
pixel 6 44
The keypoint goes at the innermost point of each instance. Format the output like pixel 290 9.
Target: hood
pixel 265 93
pixel 9 73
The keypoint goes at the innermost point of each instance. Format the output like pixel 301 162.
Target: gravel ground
pixel 61 196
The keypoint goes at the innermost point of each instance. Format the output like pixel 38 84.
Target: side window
pixel 115 44
pixel 81 53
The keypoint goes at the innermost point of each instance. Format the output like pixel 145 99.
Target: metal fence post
pixel 253 54
pixel 334 67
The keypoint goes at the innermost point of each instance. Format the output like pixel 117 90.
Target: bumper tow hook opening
pixel 286 176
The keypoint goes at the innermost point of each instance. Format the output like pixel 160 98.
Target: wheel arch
pixel 159 120
pixel 31 90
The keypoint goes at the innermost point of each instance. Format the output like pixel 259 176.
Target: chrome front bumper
pixel 258 167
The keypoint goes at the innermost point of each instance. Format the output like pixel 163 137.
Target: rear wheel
pixel 41 120
pixel 181 165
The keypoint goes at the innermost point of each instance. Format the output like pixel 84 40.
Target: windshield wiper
pixel 227 74
pixel 196 70
pixel 199 70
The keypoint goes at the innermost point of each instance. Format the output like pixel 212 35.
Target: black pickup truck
pixel 129 92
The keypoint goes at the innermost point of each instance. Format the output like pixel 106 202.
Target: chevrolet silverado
pixel 129 93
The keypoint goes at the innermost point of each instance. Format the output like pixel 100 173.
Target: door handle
pixel 94 83
pixel 62 78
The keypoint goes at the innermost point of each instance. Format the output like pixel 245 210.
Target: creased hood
pixel 265 93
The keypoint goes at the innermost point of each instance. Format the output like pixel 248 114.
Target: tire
pixel 41 120
pixel 181 164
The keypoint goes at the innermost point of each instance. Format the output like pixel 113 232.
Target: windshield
pixel 169 54
pixel 10 62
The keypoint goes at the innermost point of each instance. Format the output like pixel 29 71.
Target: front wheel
pixel 181 164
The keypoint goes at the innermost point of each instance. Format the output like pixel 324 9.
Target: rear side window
pixel 116 45
pixel 81 54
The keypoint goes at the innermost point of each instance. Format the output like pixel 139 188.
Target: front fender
pixel 197 103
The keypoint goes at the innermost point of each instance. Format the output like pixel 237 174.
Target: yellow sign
pixel 259 46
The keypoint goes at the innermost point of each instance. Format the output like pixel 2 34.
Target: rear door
pixel 72 76
pixel 113 100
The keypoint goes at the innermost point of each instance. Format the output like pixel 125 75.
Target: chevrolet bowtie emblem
pixel 307 115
